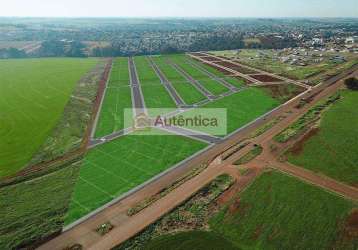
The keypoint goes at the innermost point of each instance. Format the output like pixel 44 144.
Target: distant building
pixel 352 40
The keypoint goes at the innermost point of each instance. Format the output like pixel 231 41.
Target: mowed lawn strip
pixel 244 107
pixel 333 150
pixel 118 97
pixel 155 94
pixel 213 86
pixel 116 167
pixel 33 95
pixel 119 73
pixel 281 212
pixel 185 89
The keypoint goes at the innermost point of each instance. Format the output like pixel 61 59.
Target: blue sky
pixel 181 8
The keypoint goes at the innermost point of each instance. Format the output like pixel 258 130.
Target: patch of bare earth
pixel 299 145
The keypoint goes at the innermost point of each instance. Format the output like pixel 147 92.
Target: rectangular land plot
pixel 184 88
pixel 116 167
pixel 117 98
pixel 270 215
pixel 145 72
pixel 332 148
pixel 215 87
pixel 119 73
pixel 244 107
pixel 155 94
pixel 33 95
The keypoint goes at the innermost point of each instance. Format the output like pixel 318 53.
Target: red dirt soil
pixel 299 145
pixel 266 78
pixel 209 58
pixel 236 67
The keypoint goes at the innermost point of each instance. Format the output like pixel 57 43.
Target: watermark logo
pixel 188 121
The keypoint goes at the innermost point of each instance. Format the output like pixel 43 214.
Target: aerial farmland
pixel 215 148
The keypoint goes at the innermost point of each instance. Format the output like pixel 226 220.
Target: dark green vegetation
pixel 192 215
pixel 116 167
pixel 269 215
pixel 283 93
pixel 33 210
pixel 351 83
pixel 256 151
pixel 116 99
pixel 333 148
pixel 244 107
pixel 33 95
pixel 195 240
pixel 307 120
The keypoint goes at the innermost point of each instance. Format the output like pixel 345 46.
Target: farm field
pixel 33 95
pixel 35 209
pixel 332 149
pixel 116 167
pixel 186 240
pixel 185 89
pixel 244 107
pixel 268 216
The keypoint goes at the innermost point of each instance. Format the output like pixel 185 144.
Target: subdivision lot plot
pixel 185 89
pixel 269 214
pixel 333 147
pixel 113 168
pixel 155 94
pixel 119 73
pixel 236 82
pixel 33 95
pixel 146 74
pixel 111 117
pixel 244 107
pixel 208 83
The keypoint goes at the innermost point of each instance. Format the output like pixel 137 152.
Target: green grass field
pixel 213 86
pixel 33 95
pixel 35 209
pixel 281 212
pixel 155 94
pixel 333 151
pixel 244 107
pixel 185 89
pixel 114 168
pixel 116 100
pixel 198 240
pixel 119 73
pixel 111 117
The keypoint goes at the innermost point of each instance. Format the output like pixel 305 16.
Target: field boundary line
pixel 99 111
pixel 136 189
pixel 220 80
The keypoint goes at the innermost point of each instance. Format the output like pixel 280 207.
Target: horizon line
pixel 187 17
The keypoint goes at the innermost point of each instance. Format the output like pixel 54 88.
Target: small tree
pixel 352 83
